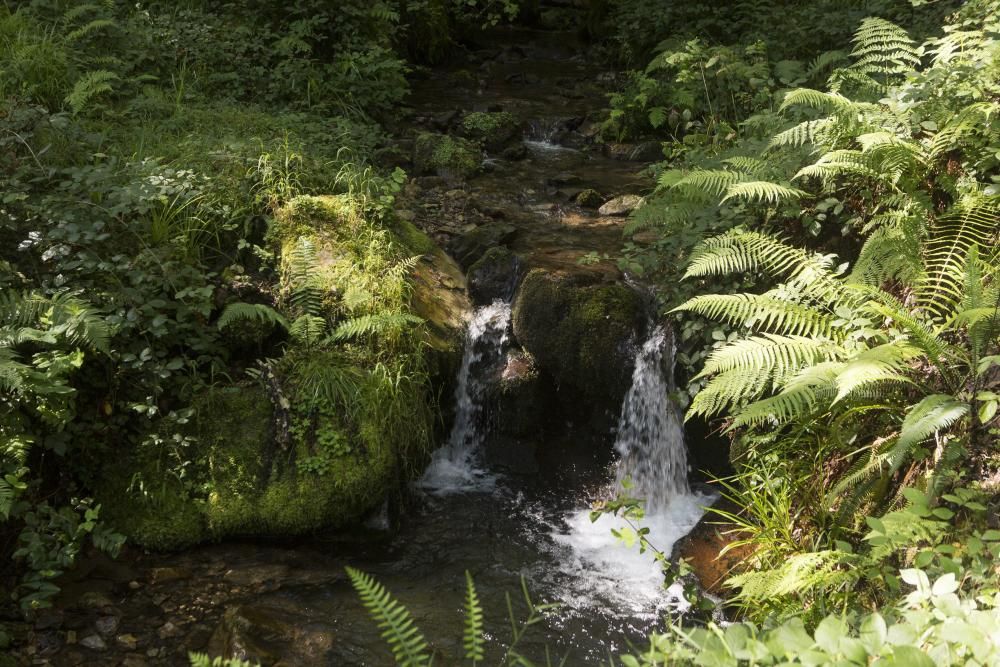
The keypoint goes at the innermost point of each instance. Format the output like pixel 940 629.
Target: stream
pixel 292 604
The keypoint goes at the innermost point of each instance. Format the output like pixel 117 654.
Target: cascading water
pixel 454 466
pixel 650 433
pixel 653 457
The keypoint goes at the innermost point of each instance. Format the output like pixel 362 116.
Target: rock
pixel 649 151
pixel 583 334
pixel 563 178
pixel 521 396
pixel 134 660
pixel 469 247
pixel 494 276
pixel 106 625
pixel 268 630
pixel 443 155
pixel 492 130
pixel 127 641
pixel 589 198
pixel 515 152
pixel 256 575
pixel 162 575
pixel 621 205
pixel 46 619
pixel 443 121
pixel 246 447
pixel 94 600
pixel 93 642
pixel 703 548
pixel 168 630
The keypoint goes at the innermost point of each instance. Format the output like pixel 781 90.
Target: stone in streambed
pixel 589 198
pixel 444 155
pixel 494 276
pixel 492 130
pixel 620 206
pixel 470 246
pixel 582 333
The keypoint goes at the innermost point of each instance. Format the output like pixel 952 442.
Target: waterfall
pixel 453 467
pixel 650 430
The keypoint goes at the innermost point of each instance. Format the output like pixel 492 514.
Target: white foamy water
pixel 455 467
pixel 651 445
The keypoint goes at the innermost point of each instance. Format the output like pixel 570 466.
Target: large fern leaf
pixel 473 639
pixel 408 646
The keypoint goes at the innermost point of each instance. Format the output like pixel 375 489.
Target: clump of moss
pixel 582 334
pixel 445 155
pixel 493 130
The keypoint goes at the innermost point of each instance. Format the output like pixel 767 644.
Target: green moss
pixel 413 239
pixel 446 156
pixel 494 130
pixel 579 333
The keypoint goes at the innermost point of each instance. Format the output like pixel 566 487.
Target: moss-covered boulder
pixel 444 155
pixel 582 333
pixel 492 130
pixel 332 428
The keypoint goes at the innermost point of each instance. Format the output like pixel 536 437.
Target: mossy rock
pixel 443 155
pixel 581 333
pixel 493 130
pixel 244 485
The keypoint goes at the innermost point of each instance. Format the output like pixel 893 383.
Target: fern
pixel 87 87
pixel 473 634
pixel 373 325
pixel 408 646
pixel 251 312
pixel 762 191
pixel 763 313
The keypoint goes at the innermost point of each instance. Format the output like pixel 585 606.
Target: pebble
pixel 106 625
pixel 168 630
pixel 127 641
pixel 93 642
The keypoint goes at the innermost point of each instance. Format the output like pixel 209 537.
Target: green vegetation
pixel 214 324
pixel 825 233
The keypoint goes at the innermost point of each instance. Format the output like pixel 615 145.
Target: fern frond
pixel 369 325
pixel 409 648
pixel 815 99
pixel 709 182
pixel 473 635
pixel 936 412
pixel 762 313
pixel 89 86
pixel 762 191
pixel 251 312
pixel 307 329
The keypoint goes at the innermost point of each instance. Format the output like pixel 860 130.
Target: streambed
pixel 291 604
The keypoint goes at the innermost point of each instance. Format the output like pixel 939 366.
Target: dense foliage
pixel 823 234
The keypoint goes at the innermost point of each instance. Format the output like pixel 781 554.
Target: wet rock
pixel 446 156
pixel 621 205
pixel 134 660
pixel 94 600
pixel 168 630
pixel 93 642
pixel 516 152
pixel 494 276
pixel 649 151
pixel 256 575
pixel 162 575
pixel 443 121
pixel 272 629
pixel 46 619
pixel 703 548
pixel 581 333
pixel 564 178
pixel 127 641
pixel 106 625
pixel 469 247
pixel 589 198
pixel 492 130
pixel 521 396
